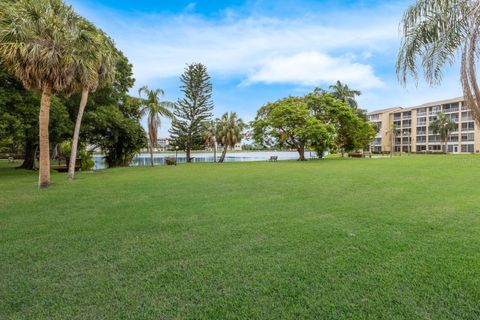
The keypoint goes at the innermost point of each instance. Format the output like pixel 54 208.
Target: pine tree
pixel 192 111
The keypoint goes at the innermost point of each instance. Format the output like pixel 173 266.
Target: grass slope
pixel 334 239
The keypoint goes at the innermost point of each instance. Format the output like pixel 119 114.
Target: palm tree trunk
pixel 215 151
pixel 392 147
pixel 151 153
pixel 76 135
pixel 224 152
pixel 43 119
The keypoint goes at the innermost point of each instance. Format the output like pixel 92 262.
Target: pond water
pixel 143 159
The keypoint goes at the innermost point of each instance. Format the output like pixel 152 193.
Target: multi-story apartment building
pixel 414 134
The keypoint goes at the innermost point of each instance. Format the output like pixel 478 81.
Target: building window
pixel 421 112
pixel 421 148
pixel 467 148
pixel 467 116
pixel 453 138
pixel 468 136
pixel 421 130
pixel 421 121
pixel 452 107
pixel 468 126
pixel 434 138
pixel 421 139
pixel 435 147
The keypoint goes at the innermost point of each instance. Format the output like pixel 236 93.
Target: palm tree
pixel 95 66
pixel 394 132
pixel 229 131
pixel 343 93
pixel 36 45
pixel 443 126
pixel 434 33
pixel 210 136
pixel 154 109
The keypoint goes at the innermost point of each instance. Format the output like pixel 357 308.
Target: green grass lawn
pixel 331 239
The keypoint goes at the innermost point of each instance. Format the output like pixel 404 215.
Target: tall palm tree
pixel 154 108
pixel 443 126
pixel 434 33
pixel 96 57
pixel 394 131
pixel 229 131
pixel 36 45
pixel 343 93
pixel 210 136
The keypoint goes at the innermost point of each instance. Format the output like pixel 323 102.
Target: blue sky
pixel 260 51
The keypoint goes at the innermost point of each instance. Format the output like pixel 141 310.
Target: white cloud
pixel 159 46
pixel 313 68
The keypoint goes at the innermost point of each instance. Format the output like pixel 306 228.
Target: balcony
pixel 451 110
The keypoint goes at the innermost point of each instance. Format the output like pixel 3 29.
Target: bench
pixel 65 168
pixel 273 158
pixel 356 155
pixel 11 160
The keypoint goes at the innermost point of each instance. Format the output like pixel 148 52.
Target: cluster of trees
pixel 192 123
pixel 317 121
pixel 59 58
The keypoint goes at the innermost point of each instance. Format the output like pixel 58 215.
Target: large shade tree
pixel 435 33
pixel 154 108
pixel 36 46
pixel 353 132
pixel 95 65
pixel 229 132
pixel 290 123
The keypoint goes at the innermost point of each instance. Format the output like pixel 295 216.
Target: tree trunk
pixel 215 151
pixel 392 147
pixel 151 153
pixel 222 157
pixel 187 154
pixel 43 119
pixel 76 135
pixel 29 159
pixel 301 152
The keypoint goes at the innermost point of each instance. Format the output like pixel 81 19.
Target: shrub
pixel 170 161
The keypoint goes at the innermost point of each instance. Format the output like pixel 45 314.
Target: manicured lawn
pixel 333 239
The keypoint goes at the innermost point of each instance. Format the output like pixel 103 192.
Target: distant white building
pixel 163 144
pixel 237 147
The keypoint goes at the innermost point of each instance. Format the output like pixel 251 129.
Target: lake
pixel 143 159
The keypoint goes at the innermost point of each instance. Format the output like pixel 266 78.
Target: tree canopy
pixel 317 121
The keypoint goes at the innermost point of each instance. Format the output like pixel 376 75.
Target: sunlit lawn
pixel 329 239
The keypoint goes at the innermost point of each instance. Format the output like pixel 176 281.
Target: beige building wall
pixel 465 140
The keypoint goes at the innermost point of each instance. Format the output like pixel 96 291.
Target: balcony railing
pixel 451 110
